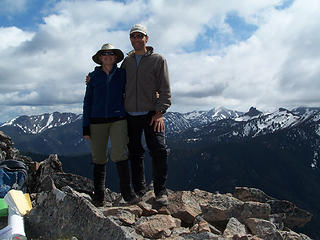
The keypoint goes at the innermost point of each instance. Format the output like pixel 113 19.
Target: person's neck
pixel 107 68
pixel 140 52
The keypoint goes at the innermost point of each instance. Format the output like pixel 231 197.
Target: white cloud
pixel 13 37
pixel 278 66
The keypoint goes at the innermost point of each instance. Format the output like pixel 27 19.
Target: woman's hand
pixel 87 79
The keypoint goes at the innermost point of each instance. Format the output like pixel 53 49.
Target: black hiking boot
pixel 99 179
pixel 125 184
pixel 138 178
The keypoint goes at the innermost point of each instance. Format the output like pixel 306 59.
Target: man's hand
pixel 157 122
pixel 87 79
pixel 86 137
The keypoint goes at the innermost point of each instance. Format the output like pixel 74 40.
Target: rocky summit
pixel 62 209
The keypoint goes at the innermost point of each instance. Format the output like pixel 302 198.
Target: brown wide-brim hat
pixel 108 47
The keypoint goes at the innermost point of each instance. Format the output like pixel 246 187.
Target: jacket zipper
pixel 137 67
pixel 107 95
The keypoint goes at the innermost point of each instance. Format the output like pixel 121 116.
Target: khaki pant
pixel 100 133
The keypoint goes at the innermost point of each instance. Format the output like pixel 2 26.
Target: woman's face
pixel 108 57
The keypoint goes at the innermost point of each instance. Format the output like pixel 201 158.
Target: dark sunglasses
pixel 138 36
pixel 107 53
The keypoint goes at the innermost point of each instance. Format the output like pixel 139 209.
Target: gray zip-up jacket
pixel 144 81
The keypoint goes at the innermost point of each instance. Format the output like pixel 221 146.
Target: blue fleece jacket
pixel 103 101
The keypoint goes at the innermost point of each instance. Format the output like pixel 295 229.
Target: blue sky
pixel 230 53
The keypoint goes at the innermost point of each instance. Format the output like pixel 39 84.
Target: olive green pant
pixel 100 133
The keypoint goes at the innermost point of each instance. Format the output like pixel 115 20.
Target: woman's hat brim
pixel 118 52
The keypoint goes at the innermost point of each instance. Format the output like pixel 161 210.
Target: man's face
pixel 138 41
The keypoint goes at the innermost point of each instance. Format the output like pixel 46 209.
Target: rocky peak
pixel 253 112
pixel 62 209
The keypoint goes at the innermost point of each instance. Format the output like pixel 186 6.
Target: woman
pixel 104 118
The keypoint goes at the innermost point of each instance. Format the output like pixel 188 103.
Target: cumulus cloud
pixel 275 63
pixel 13 37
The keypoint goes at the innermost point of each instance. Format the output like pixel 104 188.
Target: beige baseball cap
pixel 139 28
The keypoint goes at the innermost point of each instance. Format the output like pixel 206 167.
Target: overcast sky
pixel 230 53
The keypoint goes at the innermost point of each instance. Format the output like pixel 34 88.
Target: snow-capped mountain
pixel 178 122
pixel 198 118
pixel 215 125
pixel 267 123
pixel 38 123
pixel 56 132
pixel 251 124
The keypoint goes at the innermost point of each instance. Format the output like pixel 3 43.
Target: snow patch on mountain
pixel 278 120
pixel 217 121
pixel 38 123
pixel 193 140
pixel 314 163
pixel 8 123
pixel 318 130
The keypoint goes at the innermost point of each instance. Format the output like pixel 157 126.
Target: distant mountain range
pixel 214 150
pixel 61 133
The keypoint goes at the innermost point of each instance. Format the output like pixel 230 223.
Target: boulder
pixel 263 229
pixel 246 194
pixel 289 215
pixel 70 214
pixel 294 216
pixel 221 208
pixel 157 226
pixel 183 205
pixel 7 151
pixel 200 225
pixel 234 227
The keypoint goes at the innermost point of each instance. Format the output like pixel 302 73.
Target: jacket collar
pixel 99 68
pixel 149 52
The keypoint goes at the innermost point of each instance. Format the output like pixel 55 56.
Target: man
pixel 147 98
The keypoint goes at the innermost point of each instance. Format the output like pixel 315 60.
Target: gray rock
pixel 234 227
pixel 222 207
pixel 157 226
pixel 52 167
pixel 251 194
pixel 184 205
pixel 201 225
pixel 201 236
pixel 278 220
pixel 70 215
pixel 263 229
pixel 295 217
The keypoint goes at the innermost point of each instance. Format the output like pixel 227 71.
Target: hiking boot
pixel 134 200
pixel 125 186
pixel 137 170
pixel 141 194
pixel 98 201
pixel 162 200
pixel 99 179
